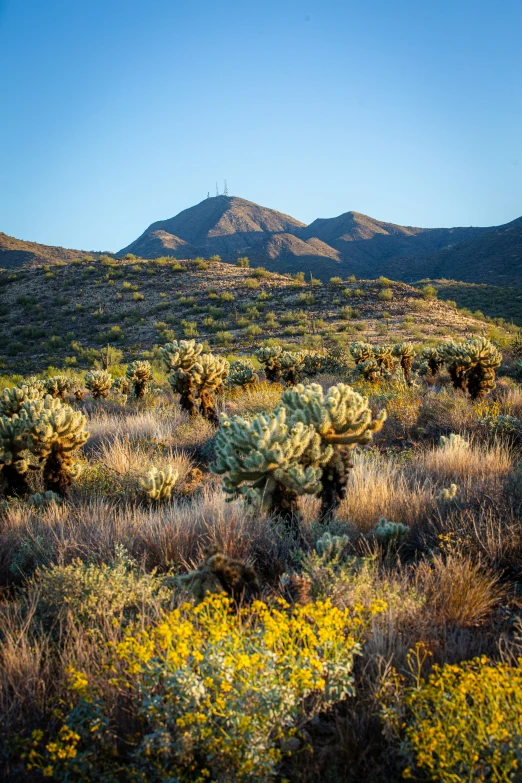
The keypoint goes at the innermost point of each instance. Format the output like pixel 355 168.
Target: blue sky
pixel 116 113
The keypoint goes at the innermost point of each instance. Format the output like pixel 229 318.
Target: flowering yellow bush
pixel 210 693
pixel 465 723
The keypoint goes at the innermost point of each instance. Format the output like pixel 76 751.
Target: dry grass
pixel 466 461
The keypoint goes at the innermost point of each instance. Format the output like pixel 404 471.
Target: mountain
pixel 16 252
pixel 495 257
pixel 350 243
pixel 223 225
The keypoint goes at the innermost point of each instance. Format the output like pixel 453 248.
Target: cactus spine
pixel 99 383
pixel 139 373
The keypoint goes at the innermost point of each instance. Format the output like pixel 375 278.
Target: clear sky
pixel 116 113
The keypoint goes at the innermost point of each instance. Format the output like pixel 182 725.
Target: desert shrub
pixel 91 594
pixel 196 716
pixel 463 723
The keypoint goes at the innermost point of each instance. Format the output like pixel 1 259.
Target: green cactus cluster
pixel 431 361
pixel 361 352
pixel 242 374
pixel 44 434
pixel 390 535
pixel 12 399
pixel 372 364
pixel 57 386
pixel 331 548
pixel 447 494
pixel 195 376
pixel 139 375
pixel 44 499
pixel 453 441
pixel 301 448
pixel 158 484
pixel 99 383
pixel 122 387
pixel 282 366
pixel 471 364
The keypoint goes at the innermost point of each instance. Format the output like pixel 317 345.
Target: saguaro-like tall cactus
pixel 343 420
pixel 99 383
pixel 269 458
pixel 55 433
pixel 139 373
pixel 405 352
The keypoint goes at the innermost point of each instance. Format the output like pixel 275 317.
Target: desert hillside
pixel 71 311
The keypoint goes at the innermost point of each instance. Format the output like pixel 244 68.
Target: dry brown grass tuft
pixel 458 591
pixel 464 460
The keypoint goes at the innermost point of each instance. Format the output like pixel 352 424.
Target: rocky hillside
pixel 15 253
pixel 66 316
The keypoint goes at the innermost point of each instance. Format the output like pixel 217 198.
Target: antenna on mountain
pixel 217 191
pixel 208 193
pixel 225 192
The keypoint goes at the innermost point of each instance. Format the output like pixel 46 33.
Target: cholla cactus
pixel 195 373
pixel 55 433
pixel 44 499
pixel 122 387
pixel 209 375
pixel 57 386
pixel 292 365
pixel 99 383
pixel 13 454
pixel 181 355
pixel 453 441
pixel 270 459
pixel 78 391
pixel 432 360
pixel 369 370
pixel 471 365
pixel 219 573
pixel 343 420
pixel 158 484
pixel 390 535
pixel 139 373
pixel 33 380
pixel 314 364
pixel 361 352
pixel 383 356
pixel 485 358
pixel 517 369
pixel 269 358
pixel 405 352
pixel 331 548
pixel 447 494
pixel 242 374
pixel 11 400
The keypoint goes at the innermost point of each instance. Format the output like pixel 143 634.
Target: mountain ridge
pixel 350 243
